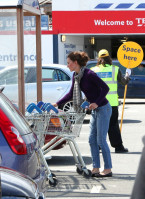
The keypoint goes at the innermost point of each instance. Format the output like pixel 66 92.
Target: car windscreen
pixel 54 75
pixel 90 65
pixel 140 70
pixel 9 77
pixel 14 115
pixel 122 68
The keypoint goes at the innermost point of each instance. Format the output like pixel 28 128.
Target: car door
pixel 9 80
pixel 55 84
pixel 30 85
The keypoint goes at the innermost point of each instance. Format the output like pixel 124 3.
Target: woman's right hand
pixel 93 106
pixel 55 105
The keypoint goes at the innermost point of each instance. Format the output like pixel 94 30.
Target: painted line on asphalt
pixel 69 190
pixel 70 154
pixel 95 189
pixel 64 168
pixel 82 142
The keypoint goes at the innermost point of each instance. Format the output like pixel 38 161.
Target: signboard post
pixel 130 55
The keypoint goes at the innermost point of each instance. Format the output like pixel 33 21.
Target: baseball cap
pixel 103 53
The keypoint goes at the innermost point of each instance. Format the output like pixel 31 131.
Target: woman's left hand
pixel 93 106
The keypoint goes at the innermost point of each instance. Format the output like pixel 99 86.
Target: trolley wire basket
pixel 65 126
pixel 38 123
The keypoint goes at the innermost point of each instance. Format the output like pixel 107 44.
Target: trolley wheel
pixel 53 175
pixel 53 184
pixel 79 170
pixel 87 175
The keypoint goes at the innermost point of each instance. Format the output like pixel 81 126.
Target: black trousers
pixel 114 130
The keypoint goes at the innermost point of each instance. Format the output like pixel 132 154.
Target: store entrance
pixel 94 43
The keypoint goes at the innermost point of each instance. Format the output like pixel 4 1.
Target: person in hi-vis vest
pixel 111 75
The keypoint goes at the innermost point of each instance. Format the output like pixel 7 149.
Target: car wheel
pixel 68 107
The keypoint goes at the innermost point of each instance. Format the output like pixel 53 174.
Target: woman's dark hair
pixel 104 60
pixel 80 57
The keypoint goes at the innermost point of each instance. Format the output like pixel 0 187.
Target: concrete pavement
pixel 73 185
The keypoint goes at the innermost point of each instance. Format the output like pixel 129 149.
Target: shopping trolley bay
pixel 62 163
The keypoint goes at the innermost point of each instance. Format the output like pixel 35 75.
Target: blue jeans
pixel 99 125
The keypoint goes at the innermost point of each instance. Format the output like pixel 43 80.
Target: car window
pixel 140 70
pixel 62 76
pixel 122 68
pixel 90 65
pixel 115 63
pixel 9 77
pixel 49 75
pixel 30 75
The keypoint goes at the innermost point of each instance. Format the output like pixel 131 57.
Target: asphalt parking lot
pixel 73 185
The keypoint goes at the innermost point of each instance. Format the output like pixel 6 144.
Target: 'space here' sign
pixel 130 54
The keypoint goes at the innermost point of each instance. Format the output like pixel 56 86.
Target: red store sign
pixel 99 22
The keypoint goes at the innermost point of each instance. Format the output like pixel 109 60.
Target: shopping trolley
pixel 66 126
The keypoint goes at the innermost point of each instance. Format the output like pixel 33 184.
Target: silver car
pixel 56 82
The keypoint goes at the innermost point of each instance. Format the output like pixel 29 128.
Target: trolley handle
pixel 46 107
pixel 40 107
pixel 51 107
pixel 40 104
pixel 85 105
pixel 32 107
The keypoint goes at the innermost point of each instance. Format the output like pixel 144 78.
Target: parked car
pixel 2 67
pixel 56 82
pixel 18 144
pixel 136 85
pixel 17 185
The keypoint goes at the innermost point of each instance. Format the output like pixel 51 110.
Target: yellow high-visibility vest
pixel 109 75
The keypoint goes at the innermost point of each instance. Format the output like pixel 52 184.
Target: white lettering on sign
pixel 99 22
pixel 108 23
pixel 140 21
